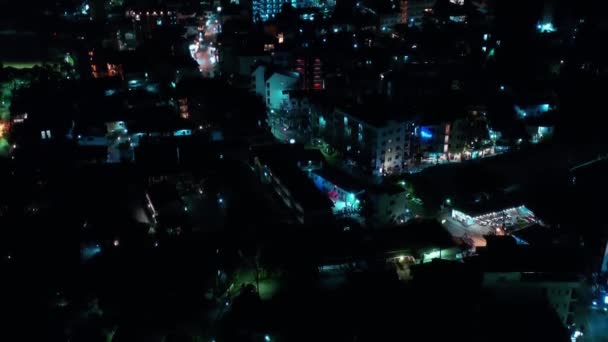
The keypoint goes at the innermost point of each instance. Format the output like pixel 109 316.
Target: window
pixel 397 157
pixel 322 122
pixel 389 159
pixel 398 139
pixel 392 202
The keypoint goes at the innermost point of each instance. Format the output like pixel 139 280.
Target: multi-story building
pixel 454 140
pixel 371 138
pixel 311 72
pixel 264 10
pixel 277 87
pixel 145 20
pixel 280 166
pixel 414 10
pixel 526 272
pixel 385 204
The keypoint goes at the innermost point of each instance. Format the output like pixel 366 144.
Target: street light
pixel 267 338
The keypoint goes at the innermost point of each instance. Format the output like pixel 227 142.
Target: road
pixel 474 232
pixel 203 48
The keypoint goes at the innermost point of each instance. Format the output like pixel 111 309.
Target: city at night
pixel 303 170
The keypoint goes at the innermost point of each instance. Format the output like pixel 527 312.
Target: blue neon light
pixel 425 134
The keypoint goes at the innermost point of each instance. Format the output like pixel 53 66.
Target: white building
pixel 559 291
pixel 276 88
pixel 258 80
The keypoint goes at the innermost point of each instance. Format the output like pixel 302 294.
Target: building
pixel 344 191
pixel 373 138
pixel 549 273
pixel 276 87
pixel 290 123
pixel 264 10
pixel 414 10
pixel 310 70
pixel 455 140
pixel 146 20
pixel 258 79
pixel 493 215
pixel 279 166
pixel 388 205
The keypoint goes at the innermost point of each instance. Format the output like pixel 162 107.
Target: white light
pixel 219 8
pixel 116 243
pixel 292 141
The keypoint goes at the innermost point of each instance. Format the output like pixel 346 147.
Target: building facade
pixel 277 87
pixel 264 10
pixel 559 291
pixel 375 147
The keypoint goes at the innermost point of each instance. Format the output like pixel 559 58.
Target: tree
pixel 290 122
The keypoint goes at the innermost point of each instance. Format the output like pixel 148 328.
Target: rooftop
pixel 283 162
pixel 418 234
pixel 503 255
pixel 375 112
pixel 341 179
